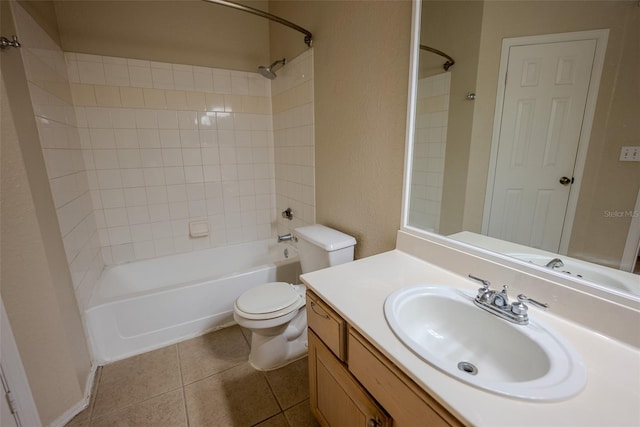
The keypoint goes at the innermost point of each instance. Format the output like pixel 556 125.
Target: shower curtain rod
pixel 447 64
pixel 308 37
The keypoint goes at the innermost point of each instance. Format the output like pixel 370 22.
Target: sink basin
pixel 442 326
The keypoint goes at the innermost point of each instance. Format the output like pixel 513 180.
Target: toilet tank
pixel 321 247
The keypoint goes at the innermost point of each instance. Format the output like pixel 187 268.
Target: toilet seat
pixel 269 301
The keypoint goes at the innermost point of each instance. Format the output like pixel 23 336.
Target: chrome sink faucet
pixel 497 302
pixel 555 263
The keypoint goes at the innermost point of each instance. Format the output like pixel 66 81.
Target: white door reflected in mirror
pixel 541 123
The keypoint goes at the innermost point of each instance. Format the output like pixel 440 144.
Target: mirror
pixel 475 130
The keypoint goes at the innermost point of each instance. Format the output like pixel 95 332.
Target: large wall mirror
pixel 520 146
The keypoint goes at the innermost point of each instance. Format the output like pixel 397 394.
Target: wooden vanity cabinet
pixel 353 384
pixel 337 399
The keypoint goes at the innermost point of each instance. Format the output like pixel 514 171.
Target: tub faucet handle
pixel 287 214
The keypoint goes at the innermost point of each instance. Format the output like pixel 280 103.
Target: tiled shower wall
pixel 54 113
pixel 293 123
pixel 168 144
pixel 136 150
pixel 432 109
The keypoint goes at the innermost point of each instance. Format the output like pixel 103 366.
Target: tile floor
pixel 205 381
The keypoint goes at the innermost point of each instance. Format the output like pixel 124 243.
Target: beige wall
pixel 607 184
pixel 181 31
pixel 611 185
pixel 43 12
pixel 36 284
pixel 454 27
pixel 361 65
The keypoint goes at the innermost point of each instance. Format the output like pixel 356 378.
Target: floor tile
pixel 290 384
pixel 203 356
pixel 301 416
pixel 218 387
pixel 237 397
pixel 136 379
pixel 166 410
pixel 277 421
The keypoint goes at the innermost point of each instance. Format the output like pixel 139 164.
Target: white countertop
pixel 357 291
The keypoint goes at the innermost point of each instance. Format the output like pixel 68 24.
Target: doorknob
pixel 565 181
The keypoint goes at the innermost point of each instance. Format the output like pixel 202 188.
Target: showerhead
pixel 268 71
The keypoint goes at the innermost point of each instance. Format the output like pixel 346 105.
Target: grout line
pixel 184 396
pixel 215 373
pixel 266 378
pixel 270 418
pixel 135 404
pixel 186 408
pixel 179 364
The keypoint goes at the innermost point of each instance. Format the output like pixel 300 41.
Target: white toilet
pixel 275 312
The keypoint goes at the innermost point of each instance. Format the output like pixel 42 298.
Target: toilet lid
pixel 268 298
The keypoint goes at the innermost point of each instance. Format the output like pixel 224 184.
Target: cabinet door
pixel 336 398
pixel 406 402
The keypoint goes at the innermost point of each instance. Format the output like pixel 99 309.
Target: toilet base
pixel 269 351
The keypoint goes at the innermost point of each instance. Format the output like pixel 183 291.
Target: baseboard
pixel 70 413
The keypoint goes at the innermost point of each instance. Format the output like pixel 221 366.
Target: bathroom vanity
pixel 362 374
pixel 349 376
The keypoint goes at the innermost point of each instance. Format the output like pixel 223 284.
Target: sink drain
pixel 467 367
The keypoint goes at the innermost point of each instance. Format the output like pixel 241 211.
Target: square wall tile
pixel 156 132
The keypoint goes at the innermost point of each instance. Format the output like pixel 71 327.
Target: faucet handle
pixel 485 283
pixel 484 293
pixel 524 298
pixel 519 308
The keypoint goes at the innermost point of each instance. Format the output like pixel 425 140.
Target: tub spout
pixel 285 238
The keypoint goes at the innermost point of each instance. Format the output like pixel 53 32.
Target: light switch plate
pixel 630 154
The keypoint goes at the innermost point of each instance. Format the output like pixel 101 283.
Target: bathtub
pixel 149 304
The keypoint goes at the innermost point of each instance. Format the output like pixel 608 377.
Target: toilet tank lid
pixel 325 237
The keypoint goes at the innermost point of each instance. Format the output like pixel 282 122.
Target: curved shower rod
pixel 308 37
pixel 447 64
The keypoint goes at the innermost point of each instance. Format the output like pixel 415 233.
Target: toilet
pixel 275 312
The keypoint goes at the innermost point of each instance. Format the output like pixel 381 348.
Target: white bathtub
pixel 149 304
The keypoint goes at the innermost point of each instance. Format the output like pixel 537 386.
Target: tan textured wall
pixel 361 65
pixel 608 184
pixel 454 27
pixel 43 12
pixel 32 304
pixel 612 185
pixel 36 284
pixel 178 31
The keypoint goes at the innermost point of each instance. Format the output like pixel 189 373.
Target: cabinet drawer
pixel 327 324
pixel 404 400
